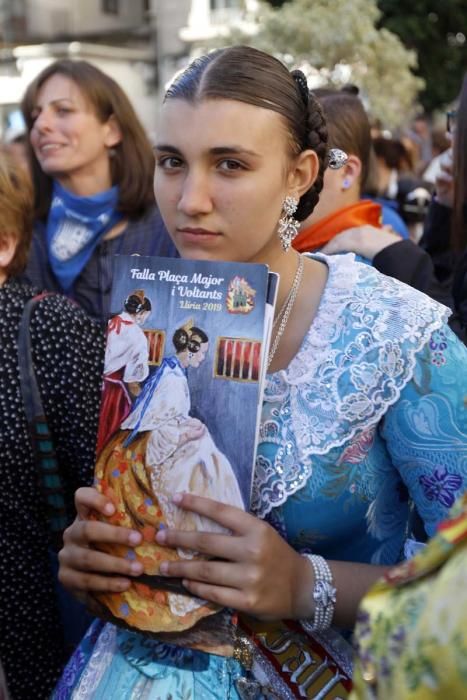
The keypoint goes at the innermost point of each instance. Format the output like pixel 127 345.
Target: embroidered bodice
pixel 345 426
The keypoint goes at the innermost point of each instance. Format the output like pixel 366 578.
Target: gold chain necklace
pixel 286 309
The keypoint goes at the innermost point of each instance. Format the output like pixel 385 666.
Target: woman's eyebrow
pixel 56 101
pixel 166 147
pixel 238 150
pixel 215 151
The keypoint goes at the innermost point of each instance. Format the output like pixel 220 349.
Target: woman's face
pixel 67 137
pixel 198 357
pixel 8 246
pixel 141 317
pixel 222 173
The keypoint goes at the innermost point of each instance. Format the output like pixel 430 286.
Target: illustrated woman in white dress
pixel 125 365
pixel 181 455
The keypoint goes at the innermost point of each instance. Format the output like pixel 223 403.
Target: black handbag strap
pixel 48 469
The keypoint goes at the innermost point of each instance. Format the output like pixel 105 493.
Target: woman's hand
pixel 254 571
pixel 83 568
pixel 366 241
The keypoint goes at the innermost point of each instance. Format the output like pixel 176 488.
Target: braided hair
pixel 316 138
pixel 247 75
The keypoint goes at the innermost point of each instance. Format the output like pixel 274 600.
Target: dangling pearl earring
pixel 288 226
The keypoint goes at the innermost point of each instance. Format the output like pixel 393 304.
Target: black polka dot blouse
pixel 68 352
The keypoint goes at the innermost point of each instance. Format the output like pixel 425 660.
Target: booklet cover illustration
pixel 180 408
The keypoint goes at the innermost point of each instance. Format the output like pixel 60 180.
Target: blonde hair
pixel 16 207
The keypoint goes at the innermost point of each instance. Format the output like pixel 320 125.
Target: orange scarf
pixel 317 235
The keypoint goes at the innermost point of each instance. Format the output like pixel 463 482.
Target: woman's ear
pixel 303 173
pixel 350 172
pixel 113 133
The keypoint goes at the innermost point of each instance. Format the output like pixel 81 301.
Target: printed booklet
pixel 185 362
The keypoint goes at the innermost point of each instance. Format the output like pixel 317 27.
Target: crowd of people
pixel 357 531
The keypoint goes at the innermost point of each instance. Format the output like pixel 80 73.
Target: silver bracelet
pixel 324 595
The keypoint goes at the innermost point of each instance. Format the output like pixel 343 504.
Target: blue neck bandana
pixel 75 226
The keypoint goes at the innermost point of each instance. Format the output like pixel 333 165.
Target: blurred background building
pixel 140 43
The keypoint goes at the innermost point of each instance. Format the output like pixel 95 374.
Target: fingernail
pixel 161 536
pixel 109 509
pixel 177 497
pixel 134 538
pixel 164 567
pixel 136 568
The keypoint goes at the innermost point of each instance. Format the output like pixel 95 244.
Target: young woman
pixel 68 353
pixel 363 404
pixel 340 204
pixel 92 167
pixel 125 365
pixel 343 222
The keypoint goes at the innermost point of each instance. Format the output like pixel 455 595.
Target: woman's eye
pixel 230 165
pixel 169 162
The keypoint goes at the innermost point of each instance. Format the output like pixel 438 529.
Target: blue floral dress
pixel 368 420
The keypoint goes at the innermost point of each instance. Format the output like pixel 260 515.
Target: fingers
pixel 227 584
pixel 92 532
pixel 344 241
pixel 213 545
pixel 88 499
pixel 243 599
pixel 218 573
pixel 230 517
pixel 85 581
pixel 86 569
pixel 333 246
pixel 84 560
pixel 223 596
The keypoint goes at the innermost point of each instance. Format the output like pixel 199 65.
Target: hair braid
pixel 317 140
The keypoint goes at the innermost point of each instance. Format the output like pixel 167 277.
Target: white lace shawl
pixel 356 358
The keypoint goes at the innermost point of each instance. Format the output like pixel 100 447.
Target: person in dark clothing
pixel 68 356
pixel 342 222
pixel 143 236
pixel 92 167
pixel 445 234
pixel 438 266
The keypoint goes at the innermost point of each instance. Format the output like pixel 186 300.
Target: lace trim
pixel 354 362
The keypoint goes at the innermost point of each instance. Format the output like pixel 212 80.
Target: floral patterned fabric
pixel 411 631
pixel 368 416
pixel 362 476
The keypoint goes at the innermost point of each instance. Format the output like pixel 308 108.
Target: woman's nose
pixel 43 121
pixel 195 196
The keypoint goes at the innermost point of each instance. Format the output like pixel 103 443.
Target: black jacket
pixel 450 267
pixel 432 267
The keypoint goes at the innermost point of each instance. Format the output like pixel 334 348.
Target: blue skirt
pixel 111 663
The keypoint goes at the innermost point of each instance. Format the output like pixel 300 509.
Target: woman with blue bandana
pixel 92 168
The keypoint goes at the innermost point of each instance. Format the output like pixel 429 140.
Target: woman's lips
pixel 198 234
pixel 198 231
